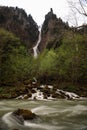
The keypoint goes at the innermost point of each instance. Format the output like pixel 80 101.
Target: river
pixel 53 115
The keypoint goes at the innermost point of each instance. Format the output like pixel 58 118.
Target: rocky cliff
pixel 16 21
pixel 52 31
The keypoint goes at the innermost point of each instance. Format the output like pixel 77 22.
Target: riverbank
pixel 30 87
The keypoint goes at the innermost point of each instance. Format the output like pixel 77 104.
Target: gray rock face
pixel 52 31
pixel 16 21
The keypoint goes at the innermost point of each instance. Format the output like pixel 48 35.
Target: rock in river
pixel 23 114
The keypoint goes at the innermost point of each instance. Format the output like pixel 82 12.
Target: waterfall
pixel 35 48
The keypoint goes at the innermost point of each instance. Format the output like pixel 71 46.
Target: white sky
pixel 39 8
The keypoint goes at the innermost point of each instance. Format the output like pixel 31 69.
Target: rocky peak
pixel 50 15
pixel 52 30
pixel 16 21
pixel 49 21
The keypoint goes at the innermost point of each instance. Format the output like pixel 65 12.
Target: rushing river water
pixel 53 115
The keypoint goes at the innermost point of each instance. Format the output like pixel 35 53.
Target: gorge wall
pixel 19 23
pixel 52 31
pixel 16 20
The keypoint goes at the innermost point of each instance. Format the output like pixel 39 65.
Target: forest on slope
pixel 62 60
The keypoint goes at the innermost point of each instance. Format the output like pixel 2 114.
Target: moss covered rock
pixel 25 114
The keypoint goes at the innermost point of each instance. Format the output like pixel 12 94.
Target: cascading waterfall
pixel 35 48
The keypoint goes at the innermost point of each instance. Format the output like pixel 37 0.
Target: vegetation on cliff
pixel 63 59
pixel 67 62
pixel 18 22
pixel 14 59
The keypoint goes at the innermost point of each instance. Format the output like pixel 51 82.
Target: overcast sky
pixel 38 8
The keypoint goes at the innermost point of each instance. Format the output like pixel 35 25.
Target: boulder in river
pixel 23 114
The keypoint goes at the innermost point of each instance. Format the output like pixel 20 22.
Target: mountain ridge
pixel 16 20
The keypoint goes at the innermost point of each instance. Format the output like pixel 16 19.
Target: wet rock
pixel 67 95
pixel 46 90
pixel 18 118
pixel 45 96
pixel 33 91
pixel 23 114
pixel 55 95
pixel 71 95
pixel 26 97
pixel 13 95
pixel 29 94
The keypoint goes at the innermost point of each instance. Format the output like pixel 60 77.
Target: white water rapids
pixel 35 49
pixel 53 115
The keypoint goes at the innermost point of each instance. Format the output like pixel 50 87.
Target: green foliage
pixel 47 64
pixel 71 55
pixel 14 60
pixel 70 88
pixel 68 62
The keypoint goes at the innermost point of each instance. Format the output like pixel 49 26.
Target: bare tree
pixel 78 12
pixel 83 7
pixel 78 5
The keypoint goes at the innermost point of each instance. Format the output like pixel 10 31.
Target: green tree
pixel 15 63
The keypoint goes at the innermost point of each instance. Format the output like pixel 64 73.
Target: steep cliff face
pixel 52 31
pixel 16 21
